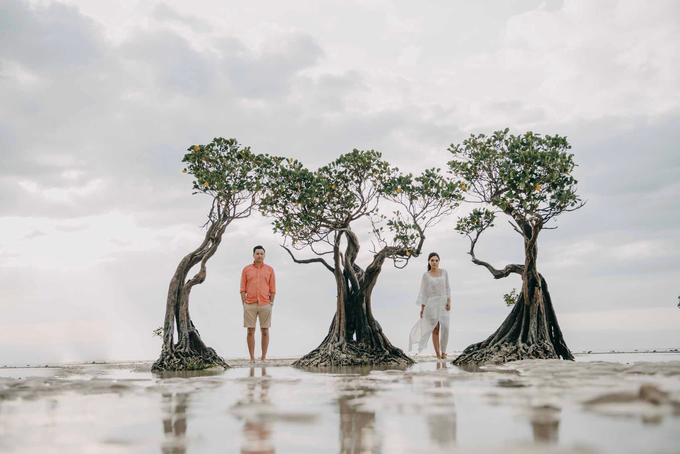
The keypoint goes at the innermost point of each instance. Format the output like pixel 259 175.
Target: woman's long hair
pixel 432 254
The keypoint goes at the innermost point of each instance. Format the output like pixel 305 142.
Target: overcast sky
pixel 100 100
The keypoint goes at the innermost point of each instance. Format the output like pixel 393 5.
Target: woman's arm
pixel 448 292
pixel 422 294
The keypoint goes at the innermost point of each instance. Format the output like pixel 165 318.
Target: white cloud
pixel 101 99
pixel 641 250
pixel 63 195
pixel 622 320
pixel 409 55
pixel 15 72
pixel 72 174
pixel 574 254
pixel 96 239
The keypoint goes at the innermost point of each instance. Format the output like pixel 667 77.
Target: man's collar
pixel 255 264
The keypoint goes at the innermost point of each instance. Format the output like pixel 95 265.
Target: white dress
pixel 434 292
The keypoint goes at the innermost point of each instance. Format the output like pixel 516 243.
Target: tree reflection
pixel 545 431
pixel 545 424
pixel 357 427
pixel 175 423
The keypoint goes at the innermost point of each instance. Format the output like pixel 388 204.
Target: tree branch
pixel 314 260
pixel 350 255
pixel 517 229
pixel 499 274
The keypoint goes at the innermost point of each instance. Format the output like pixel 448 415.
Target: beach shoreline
pixel 145 365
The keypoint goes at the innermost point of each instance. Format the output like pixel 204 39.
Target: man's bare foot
pixel 252 360
pixel 443 355
pixel 263 360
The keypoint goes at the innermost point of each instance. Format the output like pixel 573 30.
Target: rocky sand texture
pixel 552 406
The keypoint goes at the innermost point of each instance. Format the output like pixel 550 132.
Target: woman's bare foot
pixel 443 355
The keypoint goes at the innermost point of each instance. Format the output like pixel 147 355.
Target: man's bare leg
pixel 251 344
pixel 435 340
pixel 265 342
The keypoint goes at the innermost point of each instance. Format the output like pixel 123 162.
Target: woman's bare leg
pixel 435 340
pixel 444 339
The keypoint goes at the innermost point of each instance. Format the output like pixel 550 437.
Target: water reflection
pixel 189 373
pixel 257 434
pixel 545 424
pixel 441 424
pixel 175 423
pixel 357 426
pixel 352 370
pixel 545 431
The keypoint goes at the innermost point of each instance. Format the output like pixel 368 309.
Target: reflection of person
pixel 258 289
pixel 257 434
pixel 442 424
pixel 434 300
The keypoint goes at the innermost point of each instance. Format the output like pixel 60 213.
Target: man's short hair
pixel 258 247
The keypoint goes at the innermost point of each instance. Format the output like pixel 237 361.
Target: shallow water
pixel 529 406
pixel 630 357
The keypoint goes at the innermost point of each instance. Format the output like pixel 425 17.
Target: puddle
pixel 529 406
pixel 629 357
pixel 24 372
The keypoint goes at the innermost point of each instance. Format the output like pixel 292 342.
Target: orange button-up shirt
pixel 258 283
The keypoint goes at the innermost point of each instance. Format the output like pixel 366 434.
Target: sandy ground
pixel 588 406
pixel 144 366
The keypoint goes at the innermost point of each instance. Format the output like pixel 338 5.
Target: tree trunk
pixel 190 352
pixel 361 343
pixel 530 331
pixel 355 337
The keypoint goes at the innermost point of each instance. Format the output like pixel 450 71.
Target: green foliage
pixel 510 298
pixel 425 200
pixel 229 172
pixel 158 331
pixel 308 206
pixel 476 222
pixel 525 176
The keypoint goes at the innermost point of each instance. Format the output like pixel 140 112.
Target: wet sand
pixel 628 405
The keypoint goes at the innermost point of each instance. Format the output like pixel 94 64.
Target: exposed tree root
pixel 352 354
pixel 503 353
pixel 531 331
pixel 188 360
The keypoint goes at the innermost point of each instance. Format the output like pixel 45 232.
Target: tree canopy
pixel 528 177
pixel 229 173
pixel 308 206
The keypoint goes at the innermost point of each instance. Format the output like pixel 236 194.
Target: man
pixel 258 289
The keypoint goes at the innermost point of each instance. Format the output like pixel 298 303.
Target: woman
pixel 434 300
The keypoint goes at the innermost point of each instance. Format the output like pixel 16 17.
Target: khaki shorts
pixel 252 311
